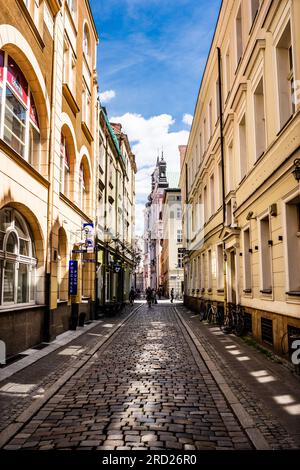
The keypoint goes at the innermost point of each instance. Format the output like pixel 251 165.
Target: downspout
pixel 223 174
pixel 47 329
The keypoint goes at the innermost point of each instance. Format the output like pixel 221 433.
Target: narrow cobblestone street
pixel 147 387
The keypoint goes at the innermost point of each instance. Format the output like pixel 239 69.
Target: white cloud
pixel 187 119
pixel 107 95
pixel 149 137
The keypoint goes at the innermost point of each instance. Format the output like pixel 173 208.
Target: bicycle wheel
pixel 239 327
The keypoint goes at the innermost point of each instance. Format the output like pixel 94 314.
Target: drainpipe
pixel 47 327
pixel 223 173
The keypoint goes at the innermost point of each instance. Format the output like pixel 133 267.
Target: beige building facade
pixel 51 178
pixel 241 200
pixel 172 250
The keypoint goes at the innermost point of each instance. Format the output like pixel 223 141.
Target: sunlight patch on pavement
pixel 235 352
pixel 284 399
pixel 262 376
pixel 293 409
pixel 17 389
pixel 243 358
pixel 108 325
pixel 72 351
pixel 231 346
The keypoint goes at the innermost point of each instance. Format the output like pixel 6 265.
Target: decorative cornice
pixel 87 132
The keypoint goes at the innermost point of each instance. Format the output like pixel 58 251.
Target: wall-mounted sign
pixel 89 235
pixel 73 277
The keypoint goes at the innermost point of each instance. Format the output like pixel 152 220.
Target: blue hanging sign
pixel 73 277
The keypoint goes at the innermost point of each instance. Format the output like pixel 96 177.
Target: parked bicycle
pixel 234 320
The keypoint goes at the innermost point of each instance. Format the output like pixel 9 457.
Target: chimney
pixel 182 151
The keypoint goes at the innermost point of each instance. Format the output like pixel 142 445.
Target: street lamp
pixel 296 170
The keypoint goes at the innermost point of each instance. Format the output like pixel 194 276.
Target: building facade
pixel 172 249
pixel 50 173
pixel 153 226
pixel 240 195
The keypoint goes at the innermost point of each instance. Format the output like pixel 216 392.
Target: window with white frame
pixel 19 123
pixel 17 259
pixel 285 75
pixel 229 168
pixel 247 260
pixel 292 209
pixel 69 65
pixel 227 72
pixel 72 7
pixel 239 35
pixel 217 101
pixel 203 270
pixel 220 184
pixel 205 204
pixel 64 167
pixel 259 119
pixel 179 235
pixel 265 256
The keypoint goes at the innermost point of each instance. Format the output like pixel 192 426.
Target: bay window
pixel 17 259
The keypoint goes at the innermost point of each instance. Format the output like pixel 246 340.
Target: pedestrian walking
pixel 172 295
pixel 131 296
pixel 149 296
pixel 155 296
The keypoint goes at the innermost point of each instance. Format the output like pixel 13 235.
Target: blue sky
pixel 151 57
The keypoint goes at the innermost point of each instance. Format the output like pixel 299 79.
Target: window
pixel 220 184
pixel 86 104
pixel 259 116
pixel 217 100
pixel 220 270
pixel 82 189
pixel 72 7
pixel 210 119
pixel 17 259
pixel 205 135
pixel 86 42
pixel 239 36
pixel 293 243
pixel 64 167
pixel 254 9
pixel 265 256
pixel 285 76
pixel 179 235
pixel 62 266
pixel 180 258
pixel 247 261
pixel 20 128
pixel 179 214
pixel 227 71
pixel 212 194
pixel 209 269
pixel 243 148
pixel 201 146
pixel 205 204
pixel 69 65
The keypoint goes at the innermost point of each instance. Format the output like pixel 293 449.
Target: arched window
pixel 17 259
pixel 64 167
pixel 82 189
pixel 62 268
pixel 20 127
pixel 86 41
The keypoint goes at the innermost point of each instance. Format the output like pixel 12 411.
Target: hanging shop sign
pixel 89 236
pixel 73 277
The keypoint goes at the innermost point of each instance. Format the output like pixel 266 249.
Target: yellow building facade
pixel 51 177
pixel 241 210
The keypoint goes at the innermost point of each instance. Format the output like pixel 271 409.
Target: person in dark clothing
pixel 131 296
pixel 149 296
pixel 172 295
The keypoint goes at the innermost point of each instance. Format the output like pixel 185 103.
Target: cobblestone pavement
pixel 257 397
pixel 24 387
pixel 146 389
